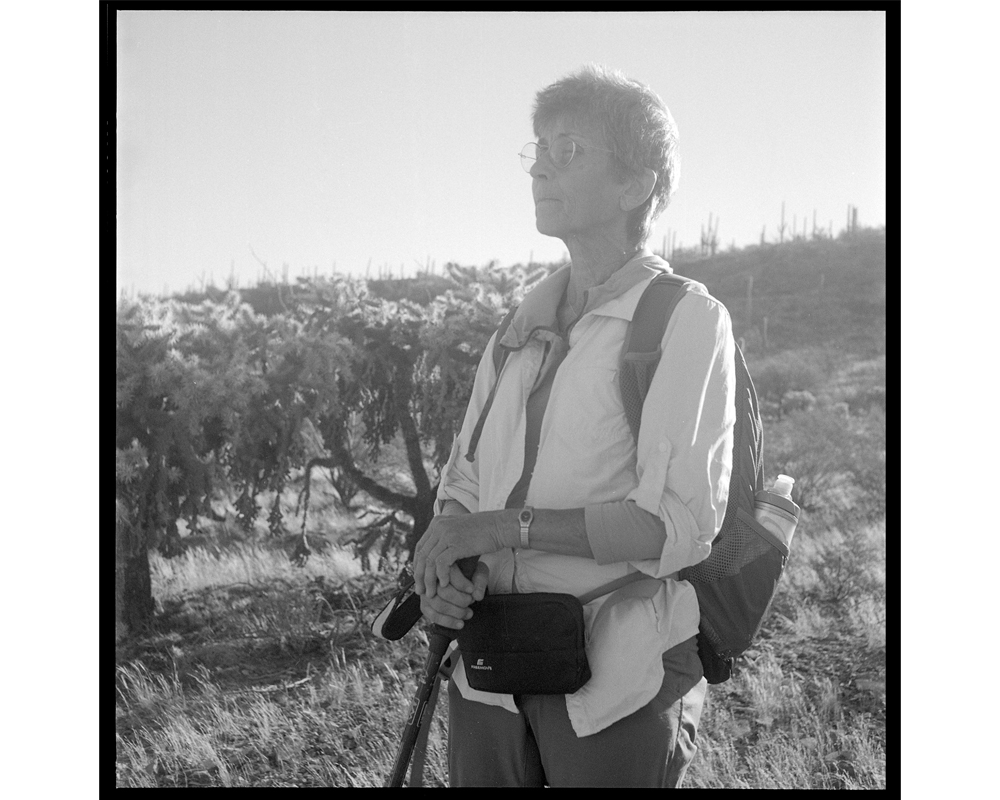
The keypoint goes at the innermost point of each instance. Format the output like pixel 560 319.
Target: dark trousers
pixel 652 747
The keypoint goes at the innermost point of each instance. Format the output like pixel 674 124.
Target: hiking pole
pixel 440 638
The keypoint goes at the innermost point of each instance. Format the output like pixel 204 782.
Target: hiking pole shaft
pixel 439 640
pixel 438 645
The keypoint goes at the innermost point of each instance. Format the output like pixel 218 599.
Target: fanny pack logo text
pixel 479 665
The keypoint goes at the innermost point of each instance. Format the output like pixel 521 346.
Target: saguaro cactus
pixel 852 219
pixel 710 237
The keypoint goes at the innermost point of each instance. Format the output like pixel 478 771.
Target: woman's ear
pixel 638 190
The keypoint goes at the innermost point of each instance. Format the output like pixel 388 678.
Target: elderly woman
pixel 548 487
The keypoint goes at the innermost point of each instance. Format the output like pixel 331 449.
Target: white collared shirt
pixel 587 457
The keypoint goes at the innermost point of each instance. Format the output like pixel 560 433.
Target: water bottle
pixel 774 509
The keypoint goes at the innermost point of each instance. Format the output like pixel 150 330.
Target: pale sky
pixel 391 138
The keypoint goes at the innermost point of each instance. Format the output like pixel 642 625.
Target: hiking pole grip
pixel 440 638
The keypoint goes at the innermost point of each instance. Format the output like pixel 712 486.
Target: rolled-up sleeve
pixel 460 477
pixel 684 452
pixel 621 531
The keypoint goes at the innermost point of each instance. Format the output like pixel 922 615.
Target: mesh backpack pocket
pixel 736 585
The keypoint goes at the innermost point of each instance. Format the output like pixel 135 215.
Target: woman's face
pixel 581 200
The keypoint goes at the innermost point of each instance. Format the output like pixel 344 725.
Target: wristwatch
pixel 525 517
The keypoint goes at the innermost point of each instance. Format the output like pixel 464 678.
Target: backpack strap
pixel 499 358
pixel 615 585
pixel 500 353
pixel 641 351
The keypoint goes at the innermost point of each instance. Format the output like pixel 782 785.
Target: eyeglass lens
pixel 561 152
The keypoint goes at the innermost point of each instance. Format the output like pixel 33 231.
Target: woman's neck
pixel 591 264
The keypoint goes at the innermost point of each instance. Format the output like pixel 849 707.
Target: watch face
pixel 525 516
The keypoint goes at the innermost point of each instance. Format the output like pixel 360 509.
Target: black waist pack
pixel 525 644
pixel 529 643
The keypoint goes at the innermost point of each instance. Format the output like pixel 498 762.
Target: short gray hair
pixel 636 123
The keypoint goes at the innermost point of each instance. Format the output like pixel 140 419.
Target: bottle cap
pixel 783 485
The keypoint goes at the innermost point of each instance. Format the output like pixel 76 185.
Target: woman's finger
pixel 423 567
pixel 440 612
pixel 437 569
pixel 443 562
pixel 459 581
pixel 418 574
pixel 480 580
pixel 430 578
pixel 420 563
pixel 452 594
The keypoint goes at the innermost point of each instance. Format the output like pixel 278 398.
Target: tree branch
pixel 411 438
pixel 342 458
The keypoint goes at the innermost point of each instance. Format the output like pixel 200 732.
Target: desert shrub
pixel 879 372
pixel 868 398
pixel 869 464
pixel 838 463
pixel 777 375
pixel 850 564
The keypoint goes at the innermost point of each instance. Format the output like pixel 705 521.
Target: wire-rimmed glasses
pixel 561 152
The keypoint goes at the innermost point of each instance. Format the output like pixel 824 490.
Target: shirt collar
pixel 612 298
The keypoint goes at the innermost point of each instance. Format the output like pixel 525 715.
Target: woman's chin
pixel 546 227
pixel 542 230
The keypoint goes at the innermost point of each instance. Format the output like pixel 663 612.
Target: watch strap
pixel 525 519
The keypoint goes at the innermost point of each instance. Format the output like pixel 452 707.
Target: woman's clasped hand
pixel 446 593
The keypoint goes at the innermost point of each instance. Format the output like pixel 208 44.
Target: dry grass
pixel 198 568
pixel 260 673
